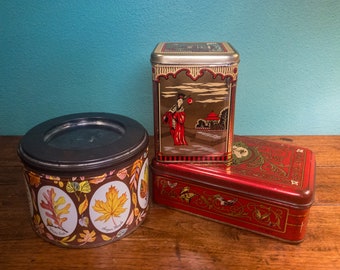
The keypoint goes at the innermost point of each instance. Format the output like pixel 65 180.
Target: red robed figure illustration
pixel 175 118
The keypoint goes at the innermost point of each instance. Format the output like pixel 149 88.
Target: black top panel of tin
pixel 82 142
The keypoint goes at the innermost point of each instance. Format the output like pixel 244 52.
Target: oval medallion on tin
pixel 57 211
pixel 110 206
pixel 143 186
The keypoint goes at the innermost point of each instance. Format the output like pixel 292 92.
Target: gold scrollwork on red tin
pixel 267 215
pixel 284 164
pixel 229 206
pixel 245 210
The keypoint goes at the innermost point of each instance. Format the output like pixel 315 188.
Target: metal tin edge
pixel 39 164
pixel 196 58
pixel 222 184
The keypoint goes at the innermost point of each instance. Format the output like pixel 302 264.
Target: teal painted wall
pixel 60 57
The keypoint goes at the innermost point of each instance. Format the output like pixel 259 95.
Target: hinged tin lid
pixel 82 142
pixel 272 171
pixel 200 53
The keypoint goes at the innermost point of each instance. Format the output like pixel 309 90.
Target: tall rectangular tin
pixel 268 189
pixel 194 88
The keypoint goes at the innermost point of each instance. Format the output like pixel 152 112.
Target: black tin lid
pixel 82 142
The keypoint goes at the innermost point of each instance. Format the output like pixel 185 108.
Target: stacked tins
pixel 201 168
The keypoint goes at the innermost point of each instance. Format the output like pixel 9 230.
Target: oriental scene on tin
pixel 194 115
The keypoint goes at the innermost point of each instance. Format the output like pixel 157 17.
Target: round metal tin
pixel 86 177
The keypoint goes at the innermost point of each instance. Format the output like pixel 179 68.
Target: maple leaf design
pixel 87 237
pixel 34 179
pixel 113 207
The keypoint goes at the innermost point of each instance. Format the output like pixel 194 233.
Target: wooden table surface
pixel 169 239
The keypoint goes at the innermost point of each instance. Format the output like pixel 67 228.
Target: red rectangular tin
pixel 194 86
pixel 268 189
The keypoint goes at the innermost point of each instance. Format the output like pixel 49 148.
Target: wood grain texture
pixel 170 239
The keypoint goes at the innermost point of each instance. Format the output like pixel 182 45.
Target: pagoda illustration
pixel 213 121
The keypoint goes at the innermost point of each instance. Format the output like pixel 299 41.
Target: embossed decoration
pixel 194 72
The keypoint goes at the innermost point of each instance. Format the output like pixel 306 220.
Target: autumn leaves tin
pixel 87 178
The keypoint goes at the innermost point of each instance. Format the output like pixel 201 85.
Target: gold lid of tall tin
pixel 200 53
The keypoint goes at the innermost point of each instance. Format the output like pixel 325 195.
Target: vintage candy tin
pixel 87 178
pixel 194 86
pixel 268 189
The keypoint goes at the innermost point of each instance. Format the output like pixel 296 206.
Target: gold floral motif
pixel 266 215
pixel 270 165
pixel 186 195
pixel 229 207
pixel 250 211
pixel 216 203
